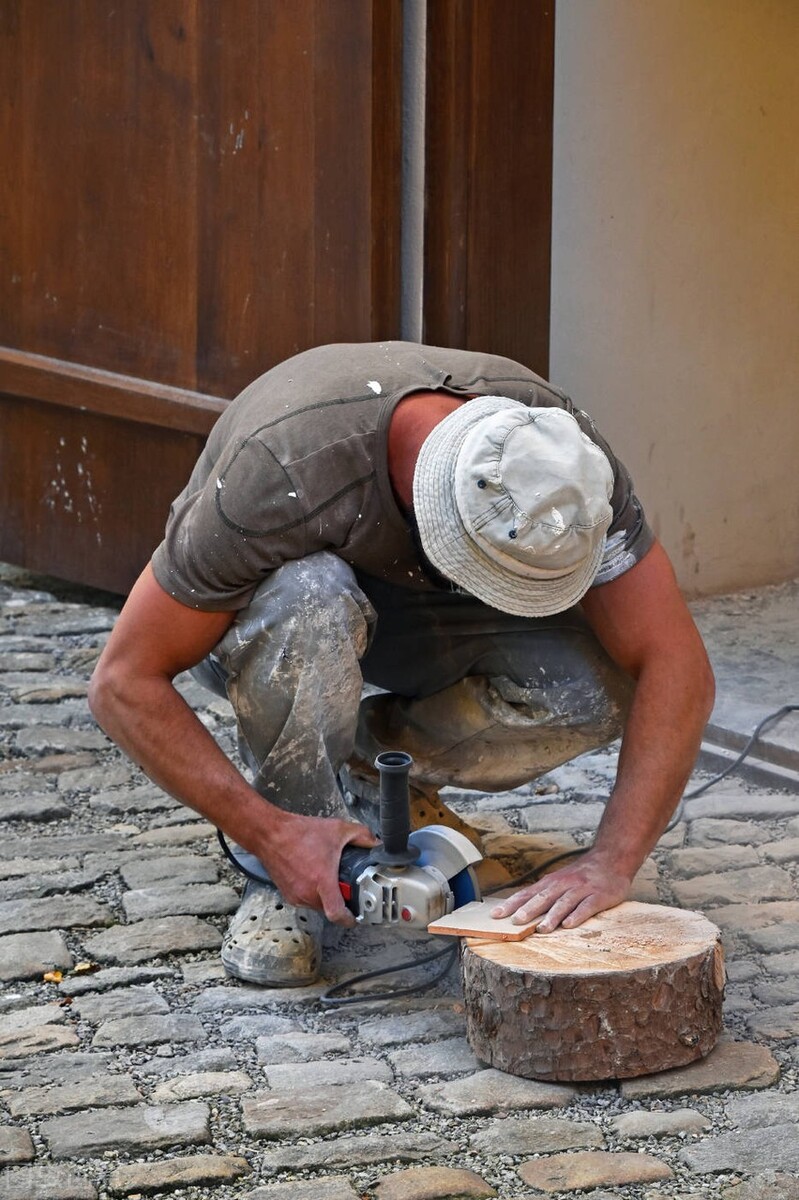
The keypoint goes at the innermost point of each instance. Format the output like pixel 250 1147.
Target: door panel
pixel 191 199
pixel 490 77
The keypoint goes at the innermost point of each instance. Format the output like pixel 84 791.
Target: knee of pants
pixel 312 603
pixel 597 699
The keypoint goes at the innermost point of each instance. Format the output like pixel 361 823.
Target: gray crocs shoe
pixel 271 942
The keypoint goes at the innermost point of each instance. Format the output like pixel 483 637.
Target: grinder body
pixel 409 878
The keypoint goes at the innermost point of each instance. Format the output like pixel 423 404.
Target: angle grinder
pixel 409 878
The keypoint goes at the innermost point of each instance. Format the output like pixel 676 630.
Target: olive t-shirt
pixel 298 463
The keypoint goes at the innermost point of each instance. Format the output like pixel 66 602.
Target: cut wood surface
pixel 634 990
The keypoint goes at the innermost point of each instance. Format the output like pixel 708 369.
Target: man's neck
pixel 412 420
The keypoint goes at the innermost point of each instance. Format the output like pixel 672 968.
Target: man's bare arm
pixel 133 698
pixel 643 622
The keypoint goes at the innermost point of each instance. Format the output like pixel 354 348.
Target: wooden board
pixel 635 990
pixel 474 920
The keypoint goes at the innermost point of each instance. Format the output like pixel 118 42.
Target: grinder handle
pixel 395 806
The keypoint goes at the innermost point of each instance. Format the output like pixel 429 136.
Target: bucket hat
pixel 513 504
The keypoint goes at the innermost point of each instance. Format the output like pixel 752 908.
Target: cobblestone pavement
pixel 131 1067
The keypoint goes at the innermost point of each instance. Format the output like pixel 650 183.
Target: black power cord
pixel 332 999
pixel 264 879
pixel 769 719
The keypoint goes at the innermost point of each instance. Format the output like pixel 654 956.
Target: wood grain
pixel 474 920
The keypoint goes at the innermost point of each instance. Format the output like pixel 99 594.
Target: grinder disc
pixel 453 855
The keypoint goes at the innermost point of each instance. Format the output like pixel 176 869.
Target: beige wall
pixel 676 266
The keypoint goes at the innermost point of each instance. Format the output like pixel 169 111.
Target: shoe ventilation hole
pixel 278 907
pixel 305 919
pixel 296 941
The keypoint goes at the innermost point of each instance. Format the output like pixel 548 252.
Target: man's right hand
pixel 302 857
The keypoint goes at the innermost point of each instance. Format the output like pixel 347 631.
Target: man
pixel 446 526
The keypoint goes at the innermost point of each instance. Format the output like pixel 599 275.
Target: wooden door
pixel 192 191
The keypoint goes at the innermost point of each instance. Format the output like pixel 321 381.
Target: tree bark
pixel 634 990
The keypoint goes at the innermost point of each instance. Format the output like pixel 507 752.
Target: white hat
pixel 512 504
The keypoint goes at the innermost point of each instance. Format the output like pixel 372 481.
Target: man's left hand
pixel 569 896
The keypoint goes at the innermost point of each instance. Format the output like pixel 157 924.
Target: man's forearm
pixel 661 740
pixel 152 723
pixel 155 727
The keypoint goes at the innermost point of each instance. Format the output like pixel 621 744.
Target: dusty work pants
pixel 479 698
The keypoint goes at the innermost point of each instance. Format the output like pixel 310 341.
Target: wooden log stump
pixel 637 989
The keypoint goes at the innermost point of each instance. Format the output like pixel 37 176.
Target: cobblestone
pixel 35 1072
pixel 253 1028
pixel 769 1108
pixel 204 1083
pixel 112 977
pixel 592 1168
pixel 784 964
pixel 32 808
pixel 26 956
pixel 326 1071
pixel 178 1172
pixel 776 937
pixel 16 1146
pixel 659 1124
pixel 535 1135
pixel 37 1041
pixel 149 1030
pixel 492 1091
pixel 762 1149
pixel 715 831
pixel 684 864
pixel 774 1185
pixel 119 1003
pixel 433 1183
pixel 175 900
pixel 776 1024
pixel 359 1150
pixel 310 1112
pixel 411 1027
pixel 763 807
pixel 94 1092
pixel 144 1127
pixel 299 1047
pixel 46 1183
pixel 331 1187
pixel 146 1072
pixel 148 939
pixel 729 1065
pixel 60 912
pixel 447 1057
pixel 174 870
pixel 753 884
